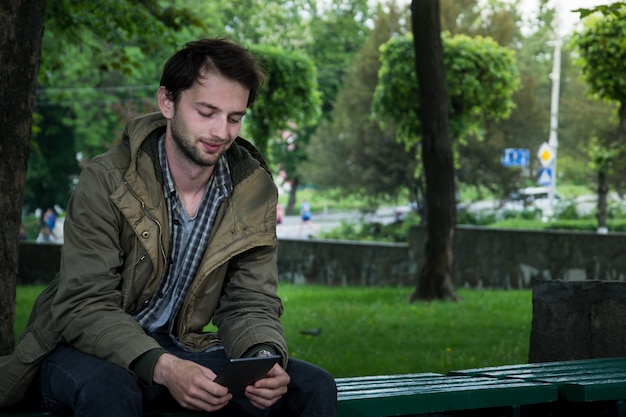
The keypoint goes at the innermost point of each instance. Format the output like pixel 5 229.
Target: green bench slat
pixel 607 390
pixel 592 365
pixel 435 394
pixel 358 383
pixel 383 378
pixel 582 380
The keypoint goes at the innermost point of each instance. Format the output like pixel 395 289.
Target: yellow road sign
pixel 545 154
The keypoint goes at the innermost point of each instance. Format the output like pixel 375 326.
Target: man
pixel 169 231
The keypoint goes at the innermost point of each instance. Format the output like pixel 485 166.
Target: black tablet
pixel 242 372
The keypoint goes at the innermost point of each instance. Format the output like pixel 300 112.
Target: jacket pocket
pixel 19 368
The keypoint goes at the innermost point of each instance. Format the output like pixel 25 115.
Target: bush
pixel 397 232
pixel 474 219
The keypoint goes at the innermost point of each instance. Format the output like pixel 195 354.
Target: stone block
pixel 577 320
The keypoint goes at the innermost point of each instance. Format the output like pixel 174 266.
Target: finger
pixel 267 395
pixel 261 398
pixel 276 377
pixel 276 371
pixel 278 383
pixel 206 401
pixel 204 394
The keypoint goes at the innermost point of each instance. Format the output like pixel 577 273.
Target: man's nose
pixel 219 128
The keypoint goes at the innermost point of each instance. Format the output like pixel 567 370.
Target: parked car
pixel 533 199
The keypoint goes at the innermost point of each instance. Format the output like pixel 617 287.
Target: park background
pixel 342 156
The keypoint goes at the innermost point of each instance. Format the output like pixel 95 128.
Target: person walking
pixel 305 216
pixel 167 232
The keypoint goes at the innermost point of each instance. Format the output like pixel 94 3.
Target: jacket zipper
pixel 150 216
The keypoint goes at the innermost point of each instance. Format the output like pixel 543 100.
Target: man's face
pixel 207 118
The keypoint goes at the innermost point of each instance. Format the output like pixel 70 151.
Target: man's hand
pixel 190 384
pixel 266 391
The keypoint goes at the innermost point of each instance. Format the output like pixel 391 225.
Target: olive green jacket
pixel 116 245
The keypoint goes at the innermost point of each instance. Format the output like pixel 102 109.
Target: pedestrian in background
pixel 305 216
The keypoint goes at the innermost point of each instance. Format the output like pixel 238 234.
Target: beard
pixel 185 145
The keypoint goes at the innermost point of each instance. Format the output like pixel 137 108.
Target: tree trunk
pixel 436 275
pixel 621 128
pixel 20 49
pixel 293 192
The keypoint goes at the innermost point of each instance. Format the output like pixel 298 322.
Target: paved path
pixel 291 226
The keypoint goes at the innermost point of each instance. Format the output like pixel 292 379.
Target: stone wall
pixel 345 263
pixel 484 257
pixel 506 258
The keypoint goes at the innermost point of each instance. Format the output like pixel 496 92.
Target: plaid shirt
pixel 189 241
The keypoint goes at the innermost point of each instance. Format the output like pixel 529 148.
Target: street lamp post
pixel 554 117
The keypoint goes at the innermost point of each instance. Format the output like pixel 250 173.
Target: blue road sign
pixel 516 157
pixel 545 177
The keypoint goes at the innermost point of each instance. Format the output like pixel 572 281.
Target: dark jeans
pixel 75 383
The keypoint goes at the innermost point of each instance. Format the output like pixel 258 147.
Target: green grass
pixel 374 331
pixel 24 299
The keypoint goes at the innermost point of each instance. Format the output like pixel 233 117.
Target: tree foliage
pixel 367 160
pixel 280 23
pixel 602 47
pixel 481 79
pixel 52 162
pixel 110 26
pixel 97 66
pixel 338 30
pixel 288 99
pixel 615 8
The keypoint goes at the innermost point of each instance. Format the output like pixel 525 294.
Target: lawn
pixel 373 331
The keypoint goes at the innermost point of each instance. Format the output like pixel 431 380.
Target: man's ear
pixel 166 105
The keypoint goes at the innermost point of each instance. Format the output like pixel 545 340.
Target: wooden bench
pixel 589 383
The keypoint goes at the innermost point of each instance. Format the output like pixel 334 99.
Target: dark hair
pixel 220 56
